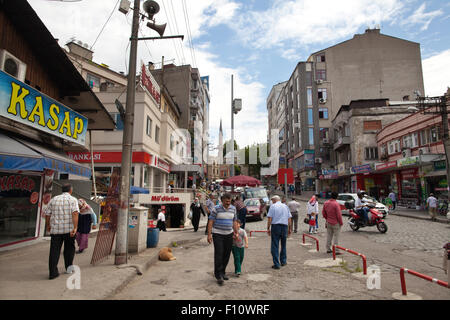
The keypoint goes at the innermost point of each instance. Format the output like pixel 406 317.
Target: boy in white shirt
pixel 161 224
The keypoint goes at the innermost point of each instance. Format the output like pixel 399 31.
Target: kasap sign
pixel 21 103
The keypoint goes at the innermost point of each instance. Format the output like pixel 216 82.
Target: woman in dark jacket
pixel 196 208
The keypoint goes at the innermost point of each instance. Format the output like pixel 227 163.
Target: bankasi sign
pixel 21 103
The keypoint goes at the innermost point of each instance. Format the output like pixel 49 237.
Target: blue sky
pixel 259 42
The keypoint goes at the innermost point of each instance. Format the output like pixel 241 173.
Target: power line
pixel 188 27
pixel 178 31
pixel 170 29
pixel 112 12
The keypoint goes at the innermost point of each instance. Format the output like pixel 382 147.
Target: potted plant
pixel 182 224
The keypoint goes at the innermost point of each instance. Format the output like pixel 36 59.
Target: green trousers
pixel 238 255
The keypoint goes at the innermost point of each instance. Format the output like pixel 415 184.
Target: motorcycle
pixel 375 218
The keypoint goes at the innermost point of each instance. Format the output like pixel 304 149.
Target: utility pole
pixel 232 129
pixel 127 146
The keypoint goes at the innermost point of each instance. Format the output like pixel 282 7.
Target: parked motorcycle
pixel 375 218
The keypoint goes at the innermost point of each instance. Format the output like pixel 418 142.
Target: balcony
pixel 341 142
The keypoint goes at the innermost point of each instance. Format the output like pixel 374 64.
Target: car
pixel 345 197
pixel 253 209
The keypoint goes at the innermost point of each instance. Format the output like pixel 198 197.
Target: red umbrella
pixel 241 181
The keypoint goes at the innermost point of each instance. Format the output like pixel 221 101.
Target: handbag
pixel 190 215
pixel 306 220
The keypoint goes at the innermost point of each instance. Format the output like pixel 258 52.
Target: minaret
pixel 220 154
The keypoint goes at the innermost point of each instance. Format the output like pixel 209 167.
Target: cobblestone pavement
pixel 408 243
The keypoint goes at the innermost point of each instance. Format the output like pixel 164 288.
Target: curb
pixel 152 260
pixel 420 218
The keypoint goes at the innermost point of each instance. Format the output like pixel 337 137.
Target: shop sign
pixel 108 157
pixel 16 182
pixel 439 165
pixel 161 164
pixel 149 83
pixel 408 161
pixel 21 103
pixel 362 169
pixel 386 165
pixel 165 198
pixel 329 174
pixel 410 174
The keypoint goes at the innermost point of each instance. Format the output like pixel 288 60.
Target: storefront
pixel 436 180
pixel 147 171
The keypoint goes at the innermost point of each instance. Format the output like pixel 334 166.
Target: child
pixel 239 243
pixel 312 209
pixel 161 224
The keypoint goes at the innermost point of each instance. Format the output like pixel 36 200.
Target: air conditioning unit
pixel 322 100
pixel 424 150
pixel 319 81
pixel 406 153
pixel 11 65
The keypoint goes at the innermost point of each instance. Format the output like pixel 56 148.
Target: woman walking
pixel 196 209
pixel 85 219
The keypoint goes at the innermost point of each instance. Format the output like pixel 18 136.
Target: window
pixel 300 139
pixel 424 137
pixel 371 153
pixel 324 133
pixel 434 134
pixel 157 134
pixel 323 113
pixel 308 77
pixel 322 93
pixel 172 141
pixel 393 146
pixel 118 121
pixel 93 81
pixel 311 136
pixel 320 58
pixel 310 116
pixel 321 74
pixel 407 142
pixel 298 101
pixel 149 127
pixel 309 97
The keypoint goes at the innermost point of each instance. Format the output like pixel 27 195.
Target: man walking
pixel 279 227
pixel 222 226
pixel 432 206
pixel 294 207
pixel 62 221
pixel 332 213
pixel 393 199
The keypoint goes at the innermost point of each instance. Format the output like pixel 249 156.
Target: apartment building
pixel 368 66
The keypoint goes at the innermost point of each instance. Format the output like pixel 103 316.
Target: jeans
pixel 238 255
pixel 279 232
pixel 364 212
pixel 55 251
pixel 222 252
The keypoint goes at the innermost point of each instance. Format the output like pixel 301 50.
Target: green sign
pixel 439 165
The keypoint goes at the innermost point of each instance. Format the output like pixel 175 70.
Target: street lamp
pixel 236 106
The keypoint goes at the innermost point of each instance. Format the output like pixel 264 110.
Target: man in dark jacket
pixel 196 209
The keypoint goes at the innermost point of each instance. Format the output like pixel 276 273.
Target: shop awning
pixel 18 154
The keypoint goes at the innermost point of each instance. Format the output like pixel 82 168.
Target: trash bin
pixel 152 237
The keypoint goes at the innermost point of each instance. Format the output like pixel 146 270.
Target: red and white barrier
pixel 314 238
pixel 422 276
pixel 352 252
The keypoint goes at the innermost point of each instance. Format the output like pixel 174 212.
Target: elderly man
pixel 62 221
pixel 279 227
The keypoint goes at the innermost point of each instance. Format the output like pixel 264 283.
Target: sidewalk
pixel 399 211
pixel 24 271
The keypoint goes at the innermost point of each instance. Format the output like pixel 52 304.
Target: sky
pixel 258 42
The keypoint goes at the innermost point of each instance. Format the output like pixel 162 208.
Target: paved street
pixel 411 243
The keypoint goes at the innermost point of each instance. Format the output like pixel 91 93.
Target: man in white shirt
pixel 161 224
pixel 432 206
pixel 393 199
pixel 294 207
pixel 279 228
pixel 360 206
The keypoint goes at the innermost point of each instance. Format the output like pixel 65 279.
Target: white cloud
pixel 435 73
pixel 420 17
pixel 293 24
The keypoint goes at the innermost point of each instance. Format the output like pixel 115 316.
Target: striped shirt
pixel 223 219
pixel 60 210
